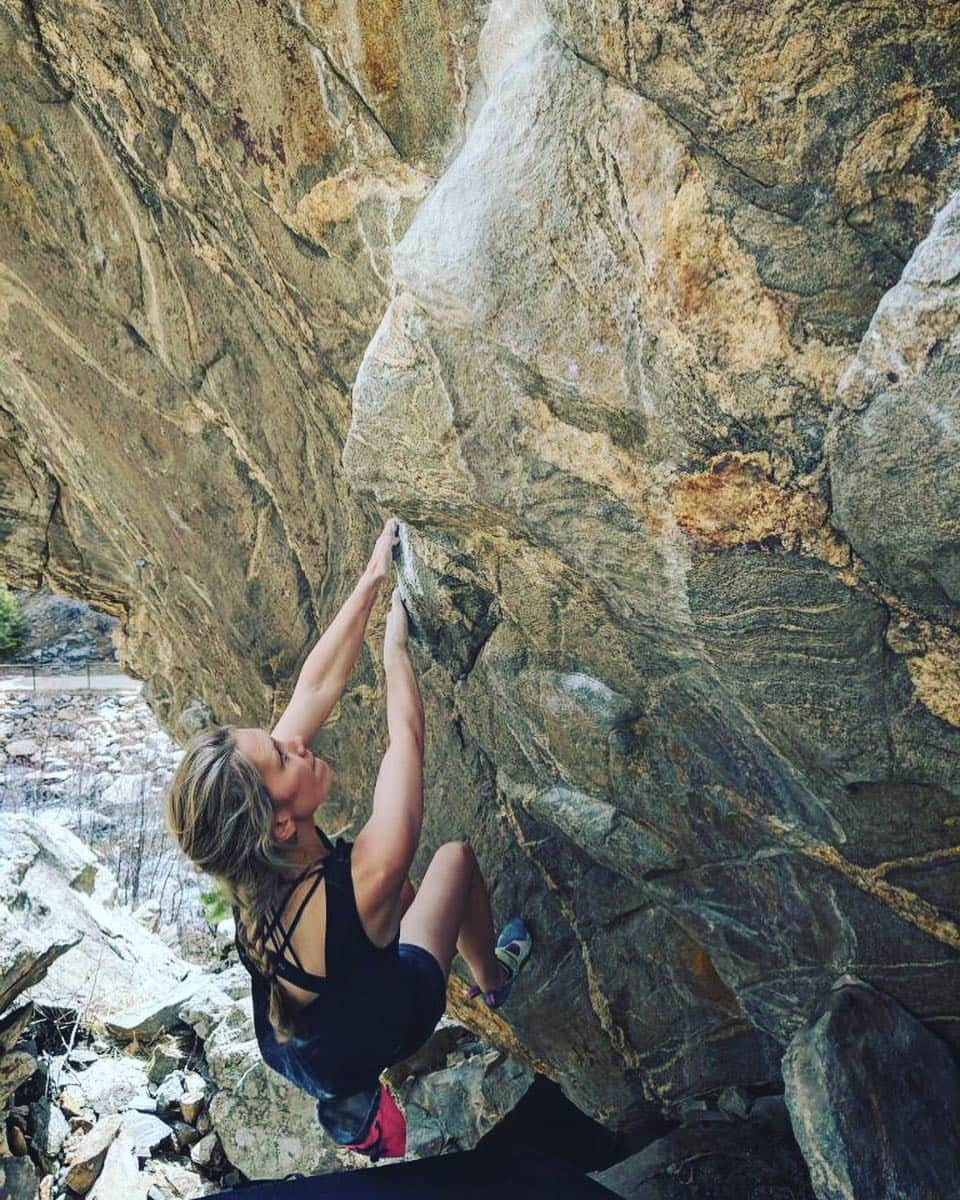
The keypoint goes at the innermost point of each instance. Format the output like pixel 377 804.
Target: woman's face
pixel 298 781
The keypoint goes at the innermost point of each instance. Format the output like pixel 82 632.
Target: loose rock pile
pixel 132 1073
pixel 67 944
pixel 92 1121
pixel 98 763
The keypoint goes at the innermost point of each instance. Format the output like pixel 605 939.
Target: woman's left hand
pixel 381 559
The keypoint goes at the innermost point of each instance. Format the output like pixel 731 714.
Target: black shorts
pixel 429 987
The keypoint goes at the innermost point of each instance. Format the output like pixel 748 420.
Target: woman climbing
pixel 348 965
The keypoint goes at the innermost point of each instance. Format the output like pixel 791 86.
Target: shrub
pixel 216 907
pixel 13 624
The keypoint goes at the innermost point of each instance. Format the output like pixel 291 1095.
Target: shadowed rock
pixel 873 1098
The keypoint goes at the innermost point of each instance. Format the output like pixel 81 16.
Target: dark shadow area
pixel 546 1123
pixel 545 1147
pixel 514 1174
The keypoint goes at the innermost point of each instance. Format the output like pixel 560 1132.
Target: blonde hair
pixel 219 810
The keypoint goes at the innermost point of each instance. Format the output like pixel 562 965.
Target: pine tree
pixel 13 624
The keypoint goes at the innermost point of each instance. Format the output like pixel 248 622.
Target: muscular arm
pixel 386 845
pixel 398 796
pixel 325 673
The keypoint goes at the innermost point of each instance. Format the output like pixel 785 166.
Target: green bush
pixel 216 906
pixel 13 624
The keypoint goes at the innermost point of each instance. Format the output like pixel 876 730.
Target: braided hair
pixel 219 810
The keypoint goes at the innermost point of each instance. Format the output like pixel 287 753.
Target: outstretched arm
pixel 386 845
pixel 325 673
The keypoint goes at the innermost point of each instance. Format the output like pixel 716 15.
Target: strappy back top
pixel 361 1007
pixel 294 972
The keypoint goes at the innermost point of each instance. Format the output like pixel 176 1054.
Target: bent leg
pixel 451 912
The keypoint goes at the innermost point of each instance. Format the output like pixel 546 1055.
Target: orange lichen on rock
pixel 705 980
pixel 931 654
pixel 338 197
pixel 736 502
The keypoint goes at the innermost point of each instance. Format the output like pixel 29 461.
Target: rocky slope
pixel 62 634
pixel 132 1074
pixel 640 318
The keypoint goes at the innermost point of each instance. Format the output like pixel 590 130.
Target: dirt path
pixel 75 682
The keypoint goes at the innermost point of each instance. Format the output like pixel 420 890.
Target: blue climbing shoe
pixel 512 949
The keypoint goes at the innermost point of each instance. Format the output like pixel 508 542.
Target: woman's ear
pixel 283 826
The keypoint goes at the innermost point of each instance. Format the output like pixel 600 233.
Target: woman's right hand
pixel 381 560
pixel 395 635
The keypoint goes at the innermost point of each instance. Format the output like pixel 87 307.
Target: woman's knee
pixel 458 856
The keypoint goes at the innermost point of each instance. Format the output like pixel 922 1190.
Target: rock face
pixel 454 1090
pixel 872 1097
pixel 570 289
pixel 897 441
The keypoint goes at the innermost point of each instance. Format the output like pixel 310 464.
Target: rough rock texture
pixel 18 1178
pixel 120 1175
pixel 454 1090
pixel 57 901
pixel 570 289
pixel 872 1096
pixel 894 474
pixel 86 1156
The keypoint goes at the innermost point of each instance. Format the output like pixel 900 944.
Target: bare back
pixel 308 940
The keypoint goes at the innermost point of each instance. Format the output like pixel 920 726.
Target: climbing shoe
pixel 512 949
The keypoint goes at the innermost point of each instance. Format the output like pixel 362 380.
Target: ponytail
pixel 220 812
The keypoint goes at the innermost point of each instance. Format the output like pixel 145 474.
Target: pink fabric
pixel 388 1133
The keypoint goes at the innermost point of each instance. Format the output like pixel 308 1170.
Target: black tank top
pixel 362 1009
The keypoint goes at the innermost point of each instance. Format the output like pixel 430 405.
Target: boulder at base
pixel 716 1159
pixel 873 1096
